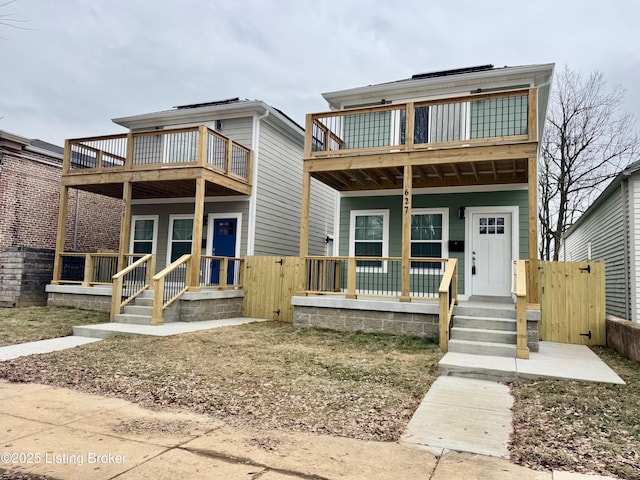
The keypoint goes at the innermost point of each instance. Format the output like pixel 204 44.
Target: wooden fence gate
pixel 573 303
pixel 269 283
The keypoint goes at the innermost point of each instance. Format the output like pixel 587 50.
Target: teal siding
pixel 451 201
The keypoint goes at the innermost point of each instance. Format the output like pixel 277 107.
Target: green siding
pixel 452 201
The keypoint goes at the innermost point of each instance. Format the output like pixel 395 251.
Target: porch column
pixel 193 282
pixel 304 229
pixel 62 221
pixel 533 292
pixel 125 224
pixel 407 194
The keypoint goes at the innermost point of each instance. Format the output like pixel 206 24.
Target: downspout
pixel 624 191
pixel 255 146
pixel 75 226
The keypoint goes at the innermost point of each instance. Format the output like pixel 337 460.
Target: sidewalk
pixel 72 435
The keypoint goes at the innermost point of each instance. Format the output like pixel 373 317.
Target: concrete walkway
pixel 93 333
pixel 71 435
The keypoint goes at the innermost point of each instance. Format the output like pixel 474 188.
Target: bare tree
pixel 10 19
pixel 588 140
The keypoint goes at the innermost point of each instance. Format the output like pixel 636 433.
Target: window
pixel 180 236
pixel 144 234
pixel 491 225
pixel 369 237
pixel 429 237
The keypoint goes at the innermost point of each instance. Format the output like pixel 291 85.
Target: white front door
pixel 491 253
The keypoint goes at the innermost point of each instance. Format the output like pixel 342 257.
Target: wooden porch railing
pixel 192 146
pixel 168 285
pixel 448 297
pixel 373 276
pixel 215 272
pixel 85 269
pixel 519 289
pixel 478 118
pixel 131 282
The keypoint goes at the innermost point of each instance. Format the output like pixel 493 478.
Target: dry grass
pixel 28 324
pixel 579 426
pixel 266 375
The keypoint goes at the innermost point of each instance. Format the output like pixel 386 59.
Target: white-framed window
pixel 144 234
pixel 429 237
pixel 369 237
pixel 180 236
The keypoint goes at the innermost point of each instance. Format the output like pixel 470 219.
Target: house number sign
pixel 406 201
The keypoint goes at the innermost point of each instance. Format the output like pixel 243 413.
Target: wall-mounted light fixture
pixel 218 125
pixel 461 213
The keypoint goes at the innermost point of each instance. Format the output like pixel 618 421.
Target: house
pixel 609 230
pixel 203 185
pixel 30 176
pixel 437 177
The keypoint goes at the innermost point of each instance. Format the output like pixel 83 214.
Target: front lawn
pixel 263 375
pixel 28 324
pixel 580 426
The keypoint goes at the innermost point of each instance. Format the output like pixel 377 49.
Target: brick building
pixel 30 173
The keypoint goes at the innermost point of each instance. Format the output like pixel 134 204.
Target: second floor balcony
pixel 470 139
pixel 161 163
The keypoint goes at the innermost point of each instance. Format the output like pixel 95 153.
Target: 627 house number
pixel 406 201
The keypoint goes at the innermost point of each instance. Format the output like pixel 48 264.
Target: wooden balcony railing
pixel 478 118
pixel 193 146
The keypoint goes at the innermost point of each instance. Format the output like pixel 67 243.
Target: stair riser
pixel 480 349
pixel 144 302
pixel 485 312
pixel 484 323
pixel 133 319
pixel 508 338
pixel 138 310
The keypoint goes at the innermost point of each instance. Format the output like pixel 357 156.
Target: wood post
pixel 308 138
pixel 351 278
pixel 407 194
pixel 62 222
pixel 202 145
pixel 125 224
pixel 409 126
pixel 304 228
pixel 88 270
pixel 158 300
pixel 533 286
pixel 193 280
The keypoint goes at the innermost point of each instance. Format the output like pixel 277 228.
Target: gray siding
pixel 451 201
pixel 604 228
pixel 238 129
pixel 165 210
pixel 279 196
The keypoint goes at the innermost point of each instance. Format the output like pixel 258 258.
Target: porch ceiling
pixel 429 175
pixel 159 189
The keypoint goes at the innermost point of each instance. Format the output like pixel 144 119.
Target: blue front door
pixel 224 245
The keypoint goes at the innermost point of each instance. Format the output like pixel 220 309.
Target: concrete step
pixel 133 319
pixel 482 348
pixel 145 294
pixel 509 311
pixel 136 309
pixel 486 323
pixel 483 335
pixel 143 302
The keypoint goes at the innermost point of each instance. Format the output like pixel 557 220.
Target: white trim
pixel 132 232
pixel 210 221
pixel 159 201
pixel 445 235
pixel 253 199
pixel 385 236
pixel 514 210
pixel 173 217
pixel 336 227
pixel 507 187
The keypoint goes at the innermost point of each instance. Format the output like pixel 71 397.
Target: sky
pixel 73 65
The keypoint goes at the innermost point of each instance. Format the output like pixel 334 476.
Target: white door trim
pixel 210 221
pixel 514 210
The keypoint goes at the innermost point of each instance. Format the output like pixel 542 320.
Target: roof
pixel 457 79
pixel 606 193
pixel 15 142
pixel 208 111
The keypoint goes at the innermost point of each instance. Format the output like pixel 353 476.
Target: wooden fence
pixel 269 284
pixel 573 303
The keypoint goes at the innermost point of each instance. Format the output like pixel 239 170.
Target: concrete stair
pixel 487 330
pixel 138 312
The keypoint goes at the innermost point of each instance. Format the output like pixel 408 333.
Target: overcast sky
pixel 83 62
